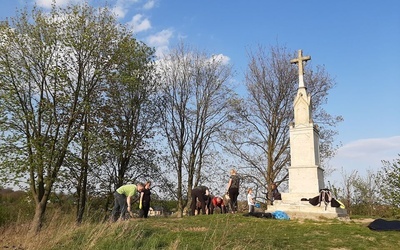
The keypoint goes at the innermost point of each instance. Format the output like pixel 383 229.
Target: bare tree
pixel 260 136
pixel 346 193
pixel 196 97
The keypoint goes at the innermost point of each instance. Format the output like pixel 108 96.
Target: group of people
pixel 202 200
pixel 210 204
pixel 125 195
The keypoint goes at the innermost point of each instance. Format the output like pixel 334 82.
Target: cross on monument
pixel 299 60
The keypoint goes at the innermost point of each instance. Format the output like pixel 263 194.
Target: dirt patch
pixel 364 221
pixel 197 229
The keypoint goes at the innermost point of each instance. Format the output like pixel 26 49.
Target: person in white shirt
pixel 250 200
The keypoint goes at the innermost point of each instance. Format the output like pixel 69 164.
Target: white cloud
pixel 368 148
pixel 160 38
pixel 121 7
pixel 47 3
pixel 139 23
pixel 366 154
pixel 119 11
pixel 160 41
pixel 149 4
pixel 221 58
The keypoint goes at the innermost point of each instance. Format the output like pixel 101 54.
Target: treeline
pixel 375 193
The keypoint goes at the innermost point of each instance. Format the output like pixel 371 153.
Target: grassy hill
pixel 218 231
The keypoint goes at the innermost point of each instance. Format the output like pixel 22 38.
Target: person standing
pixel 233 190
pixel 144 202
pixel 201 193
pixel 250 200
pixel 123 200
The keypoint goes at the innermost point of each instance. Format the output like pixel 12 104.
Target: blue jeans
pixel 120 207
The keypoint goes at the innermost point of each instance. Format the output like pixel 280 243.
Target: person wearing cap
pixel 123 198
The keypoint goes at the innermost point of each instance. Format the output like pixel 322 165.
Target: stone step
pixel 303 209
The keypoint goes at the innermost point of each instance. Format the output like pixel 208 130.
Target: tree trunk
pixel 82 196
pixel 37 221
pixel 180 189
pixel 180 207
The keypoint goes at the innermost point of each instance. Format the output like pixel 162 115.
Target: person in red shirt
pixel 217 201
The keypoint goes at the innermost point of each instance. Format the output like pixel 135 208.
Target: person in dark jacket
pixel 201 194
pixel 233 190
pixel 144 201
pixel 275 193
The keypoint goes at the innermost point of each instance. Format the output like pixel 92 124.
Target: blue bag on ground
pixel 280 215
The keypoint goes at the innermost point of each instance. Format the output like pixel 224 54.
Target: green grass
pixel 218 231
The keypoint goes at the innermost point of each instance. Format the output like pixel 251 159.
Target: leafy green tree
pixel 52 66
pixel 366 193
pixel 390 184
pixel 93 44
pixel 129 115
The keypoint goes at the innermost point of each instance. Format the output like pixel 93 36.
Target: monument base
pixel 297 209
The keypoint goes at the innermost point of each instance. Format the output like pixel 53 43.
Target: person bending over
pixel 217 201
pixel 123 200
pixel 201 193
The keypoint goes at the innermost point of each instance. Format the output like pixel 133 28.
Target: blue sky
pixel 358 41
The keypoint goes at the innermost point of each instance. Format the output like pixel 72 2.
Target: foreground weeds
pixel 219 231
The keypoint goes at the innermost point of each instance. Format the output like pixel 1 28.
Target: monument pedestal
pixel 297 209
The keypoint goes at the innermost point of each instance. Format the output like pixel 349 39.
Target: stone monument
pixel 305 173
pixel 306 177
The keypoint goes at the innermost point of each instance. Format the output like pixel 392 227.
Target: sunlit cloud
pixel 160 38
pixel 47 3
pixel 149 4
pixel 221 58
pixel 121 7
pixel 367 148
pixel 160 41
pixel 139 23
pixel 366 154
pixel 119 11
